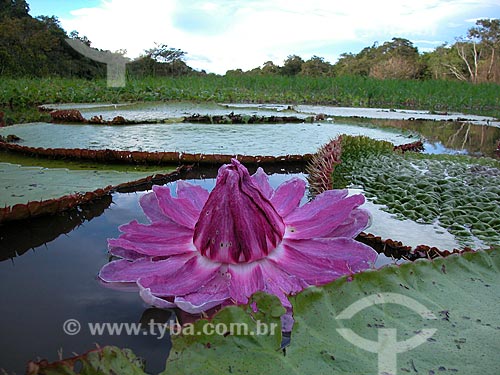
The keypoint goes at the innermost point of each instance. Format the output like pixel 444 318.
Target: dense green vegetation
pixel 36 46
pixel 456 191
pixel 16 95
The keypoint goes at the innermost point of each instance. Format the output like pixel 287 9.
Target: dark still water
pixel 55 282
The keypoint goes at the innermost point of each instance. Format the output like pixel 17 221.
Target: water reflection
pixel 452 137
pixel 58 281
pixel 17 238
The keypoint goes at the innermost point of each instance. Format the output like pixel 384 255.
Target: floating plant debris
pixel 74 116
pixel 232 118
pixel 9 138
pixel 157 111
pixel 397 250
pixel 67 115
pixel 416 146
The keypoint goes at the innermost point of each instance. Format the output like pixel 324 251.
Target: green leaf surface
pixel 205 354
pixel 21 184
pixel 461 293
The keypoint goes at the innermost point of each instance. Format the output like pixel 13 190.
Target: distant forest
pixel 36 47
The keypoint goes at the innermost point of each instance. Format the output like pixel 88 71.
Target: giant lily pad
pixel 256 139
pixel 22 184
pixel 449 307
pixel 174 109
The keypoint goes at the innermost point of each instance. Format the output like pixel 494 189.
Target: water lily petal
pixel 125 271
pixel 156 239
pixel 153 300
pixel 321 216
pixel 238 223
pixel 280 283
pixel 287 321
pixel 313 270
pixel 151 207
pixel 262 181
pixel 212 294
pixel 194 193
pixel 309 210
pixel 337 251
pixel 205 249
pixel 189 278
pixel 358 220
pixel 180 210
pixel 246 279
pixel 125 253
pixel 288 195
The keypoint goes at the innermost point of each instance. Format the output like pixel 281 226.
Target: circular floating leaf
pixel 458 296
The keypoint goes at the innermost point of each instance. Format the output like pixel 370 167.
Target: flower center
pixel 238 224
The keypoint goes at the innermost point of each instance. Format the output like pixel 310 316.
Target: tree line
pixel 474 58
pixel 36 47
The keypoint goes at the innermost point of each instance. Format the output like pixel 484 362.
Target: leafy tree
pixel 76 35
pixel 14 9
pixel 316 66
pixel 438 62
pixel 160 61
pixel 476 55
pixel 356 64
pixel 487 34
pixel 398 47
pixel 37 47
pixel 165 54
pixel 397 59
pixel 234 72
pixel 292 65
pixel 270 68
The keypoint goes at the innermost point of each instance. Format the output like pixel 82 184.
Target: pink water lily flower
pixel 203 249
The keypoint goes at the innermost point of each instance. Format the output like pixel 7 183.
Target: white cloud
pixel 223 34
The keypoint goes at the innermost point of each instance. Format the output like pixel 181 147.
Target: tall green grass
pixel 343 91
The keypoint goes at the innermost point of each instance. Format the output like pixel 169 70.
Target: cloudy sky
pixel 226 34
